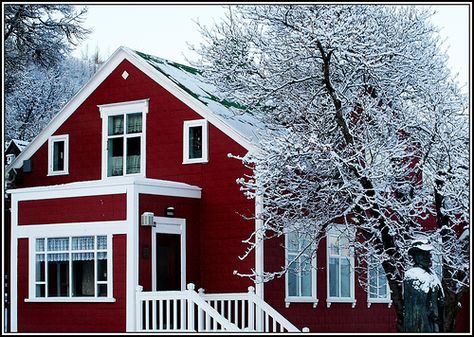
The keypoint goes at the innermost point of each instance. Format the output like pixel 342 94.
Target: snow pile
pixel 422 280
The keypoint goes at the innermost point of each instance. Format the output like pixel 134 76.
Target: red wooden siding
pixel 77 209
pixel 73 317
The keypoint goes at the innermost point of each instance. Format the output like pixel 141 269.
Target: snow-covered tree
pixel 40 94
pixel 39 33
pixel 364 126
pixel 40 77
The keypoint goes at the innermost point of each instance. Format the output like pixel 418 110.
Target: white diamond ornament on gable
pixel 124 75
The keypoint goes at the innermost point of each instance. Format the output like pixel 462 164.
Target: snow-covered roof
pixel 20 144
pixel 191 80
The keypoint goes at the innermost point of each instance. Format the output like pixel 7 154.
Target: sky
pixel 166 30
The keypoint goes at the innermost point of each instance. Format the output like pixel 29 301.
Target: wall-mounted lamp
pixel 169 211
pixel 147 219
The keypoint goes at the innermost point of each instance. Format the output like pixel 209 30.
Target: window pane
pixel 58 156
pixel 372 283
pixel 83 274
pixel 344 245
pixel 58 244
pixel 115 126
pixel 102 290
pixel 40 265
pixel 345 278
pixel 292 243
pixel 40 290
pixel 102 266
pixel 333 277
pixel 40 245
pixel 134 123
pixel 115 157
pixel 306 283
pixel 102 242
pixel 195 142
pixel 83 243
pixel 133 155
pixel 293 284
pixel 383 283
pixel 333 245
pixel 58 275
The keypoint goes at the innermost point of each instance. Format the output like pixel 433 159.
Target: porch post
pixel 132 258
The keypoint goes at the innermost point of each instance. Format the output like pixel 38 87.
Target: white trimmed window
pixel 195 142
pixel 378 289
pixel 58 155
pixel 78 266
pixel 301 276
pixel 123 138
pixel 340 265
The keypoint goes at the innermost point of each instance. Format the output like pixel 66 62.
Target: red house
pixel 126 216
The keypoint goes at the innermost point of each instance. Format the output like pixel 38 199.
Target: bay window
pixel 72 267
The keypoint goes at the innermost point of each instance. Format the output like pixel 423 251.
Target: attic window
pixel 195 142
pixel 123 134
pixel 124 75
pixel 58 155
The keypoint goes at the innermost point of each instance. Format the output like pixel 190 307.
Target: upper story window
pixel 123 130
pixel 301 275
pixel 340 264
pixel 58 155
pixel 72 267
pixel 195 142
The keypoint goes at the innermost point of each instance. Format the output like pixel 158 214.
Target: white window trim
pixel 301 299
pixel 168 226
pixel 186 126
pixel 51 141
pixel 32 273
pixel 370 301
pixel 329 299
pixel 123 108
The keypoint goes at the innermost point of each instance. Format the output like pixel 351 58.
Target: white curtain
pixel 117 166
pixel 134 123
pixel 133 164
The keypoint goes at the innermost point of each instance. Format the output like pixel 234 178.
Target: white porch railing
pixel 192 312
pixel 248 312
pixel 178 311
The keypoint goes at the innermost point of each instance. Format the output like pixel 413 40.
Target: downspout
pixel 259 257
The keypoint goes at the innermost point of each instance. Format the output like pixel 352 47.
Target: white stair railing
pixel 248 312
pixel 178 311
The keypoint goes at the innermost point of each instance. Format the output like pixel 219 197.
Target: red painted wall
pixel 77 209
pixel 73 317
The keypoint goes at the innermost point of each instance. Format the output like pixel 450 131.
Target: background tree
pixel 39 74
pixel 364 126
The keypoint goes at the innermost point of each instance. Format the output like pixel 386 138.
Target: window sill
pixel 338 300
pixel 196 161
pixel 62 173
pixel 288 301
pixel 388 302
pixel 71 300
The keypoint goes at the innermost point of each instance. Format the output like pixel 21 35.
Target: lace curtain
pixel 133 164
pixel 134 123
pixel 78 243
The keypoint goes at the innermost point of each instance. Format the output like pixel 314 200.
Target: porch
pixel 191 311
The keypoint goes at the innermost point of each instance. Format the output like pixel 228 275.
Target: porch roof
pixel 106 186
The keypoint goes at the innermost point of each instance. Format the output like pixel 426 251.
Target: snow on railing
pixel 248 311
pixel 178 311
